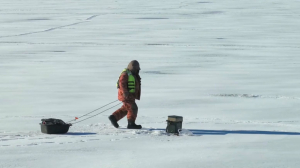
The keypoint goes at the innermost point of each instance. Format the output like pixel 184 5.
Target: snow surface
pixel 230 68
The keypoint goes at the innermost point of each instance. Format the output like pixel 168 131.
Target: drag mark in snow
pixel 6 139
pixel 33 144
pixel 48 142
pixel 24 117
pixel 38 19
pixel 58 51
pixel 151 18
pixel 255 96
pixel 43 31
pixel 157 44
pixel 92 17
pixel 238 95
pixel 155 72
pixel 212 12
pixel 51 29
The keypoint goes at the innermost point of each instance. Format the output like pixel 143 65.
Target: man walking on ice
pixel 129 89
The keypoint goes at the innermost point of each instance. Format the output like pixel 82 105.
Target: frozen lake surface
pixel 230 68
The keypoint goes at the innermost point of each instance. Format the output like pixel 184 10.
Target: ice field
pixel 230 68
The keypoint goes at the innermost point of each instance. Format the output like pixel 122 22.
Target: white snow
pixel 230 68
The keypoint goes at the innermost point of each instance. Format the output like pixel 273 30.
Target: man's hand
pixel 139 79
pixel 125 94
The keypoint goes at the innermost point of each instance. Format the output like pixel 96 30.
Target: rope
pixel 97 113
pixel 95 110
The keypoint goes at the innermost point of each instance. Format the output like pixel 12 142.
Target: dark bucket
pixel 174 124
pixel 54 126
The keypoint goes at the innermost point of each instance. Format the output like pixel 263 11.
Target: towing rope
pixel 94 111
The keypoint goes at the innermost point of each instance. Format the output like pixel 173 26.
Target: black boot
pixel 132 125
pixel 113 121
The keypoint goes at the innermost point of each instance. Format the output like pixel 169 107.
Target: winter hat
pixel 134 66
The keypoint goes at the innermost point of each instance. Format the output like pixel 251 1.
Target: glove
pixel 139 79
pixel 125 94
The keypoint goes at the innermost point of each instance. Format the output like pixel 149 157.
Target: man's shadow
pixel 225 132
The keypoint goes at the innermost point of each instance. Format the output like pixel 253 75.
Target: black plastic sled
pixel 54 126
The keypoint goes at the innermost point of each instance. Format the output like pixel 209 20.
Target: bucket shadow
pixel 225 132
pixel 80 133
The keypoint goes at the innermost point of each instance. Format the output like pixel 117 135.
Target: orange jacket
pixel 123 82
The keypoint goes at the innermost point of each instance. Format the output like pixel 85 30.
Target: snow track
pixel 255 96
pixel 51 29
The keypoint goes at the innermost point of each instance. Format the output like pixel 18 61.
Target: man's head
pixel 134 67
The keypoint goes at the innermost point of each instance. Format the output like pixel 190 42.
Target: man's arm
pixel 139 79
pixel 123 82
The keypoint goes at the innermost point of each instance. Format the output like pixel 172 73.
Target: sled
pixel 54 126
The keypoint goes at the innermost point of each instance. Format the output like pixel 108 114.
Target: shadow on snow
pixel 209 132
pixel 225 132
pixel 80 133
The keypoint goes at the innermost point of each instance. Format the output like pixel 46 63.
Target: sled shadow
pixel 225 132
pixel 80 133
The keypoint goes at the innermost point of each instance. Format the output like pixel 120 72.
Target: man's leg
pixel 118 115
pixel 132 110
